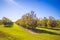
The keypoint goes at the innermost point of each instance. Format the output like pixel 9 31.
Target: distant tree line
pixel 29 20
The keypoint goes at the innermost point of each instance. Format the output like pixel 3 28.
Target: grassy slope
pixel 50 30
pixel 19 33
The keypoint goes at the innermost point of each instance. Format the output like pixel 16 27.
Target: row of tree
pixel 29 20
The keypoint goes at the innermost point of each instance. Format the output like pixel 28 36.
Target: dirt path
pixel 30 31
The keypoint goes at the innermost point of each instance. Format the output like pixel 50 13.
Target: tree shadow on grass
pixel 43 31
pixel 58 29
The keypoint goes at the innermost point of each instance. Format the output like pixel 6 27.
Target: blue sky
pixel 14 9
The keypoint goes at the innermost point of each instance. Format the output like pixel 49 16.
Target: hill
pixel 18 33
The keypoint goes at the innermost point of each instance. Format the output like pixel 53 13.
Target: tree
pixel 39 23
pixel 52 22
pixel 28 20
pixel 7 22
pixel 1 22
pixel 58 23
pixel 44 22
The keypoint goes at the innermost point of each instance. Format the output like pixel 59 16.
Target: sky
pixel 14 9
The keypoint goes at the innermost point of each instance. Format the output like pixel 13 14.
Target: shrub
pixel 8 24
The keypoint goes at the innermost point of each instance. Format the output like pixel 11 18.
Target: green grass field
pixel 18 33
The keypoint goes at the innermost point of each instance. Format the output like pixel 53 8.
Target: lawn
pixel 50 30
pixel 18 33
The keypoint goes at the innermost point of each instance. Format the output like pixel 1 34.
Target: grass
pixel 50 30
pixel 18 33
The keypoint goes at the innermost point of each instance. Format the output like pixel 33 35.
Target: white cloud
pixel 12 2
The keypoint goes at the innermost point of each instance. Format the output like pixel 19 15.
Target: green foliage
pixel 48 23
pixel 51 22
pixel 1 22
pixel 39 23
pixel 44 22
pixel 58 23
pixel 7 22
pixel 28 20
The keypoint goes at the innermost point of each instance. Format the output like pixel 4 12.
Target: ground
pixel 18 33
